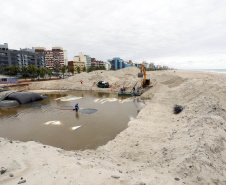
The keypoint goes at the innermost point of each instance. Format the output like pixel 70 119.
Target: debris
pixel 11 175
pixel 115 176
pixel 21 181
pixel 177 109
pixel 3 170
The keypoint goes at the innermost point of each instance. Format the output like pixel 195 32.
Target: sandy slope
pixel 158 147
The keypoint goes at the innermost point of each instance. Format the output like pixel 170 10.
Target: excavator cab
pixel 145 82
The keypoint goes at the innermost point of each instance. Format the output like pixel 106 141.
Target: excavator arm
pixel 144 72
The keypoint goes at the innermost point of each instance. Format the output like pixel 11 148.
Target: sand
pixel 158 147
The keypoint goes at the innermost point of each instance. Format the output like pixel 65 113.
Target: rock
pixel 118 164
pixel 21 181
pixel 11 175
pixel 3 170
pixel 199 178
pixel 115 176
pixel 10 141
pixel 176 179
pixel 78 163
pixel 142 183
pixel 120 171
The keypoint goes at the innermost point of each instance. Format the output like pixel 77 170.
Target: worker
pixel 133 89
pixel 121 90
pixel 137 90
pixel 81 81
pixel 76 108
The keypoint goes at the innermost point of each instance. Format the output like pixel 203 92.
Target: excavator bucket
pixel 140 75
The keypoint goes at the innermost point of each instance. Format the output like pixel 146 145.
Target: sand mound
pixel 125 77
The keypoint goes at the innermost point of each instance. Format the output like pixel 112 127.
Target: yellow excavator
pixel 145 82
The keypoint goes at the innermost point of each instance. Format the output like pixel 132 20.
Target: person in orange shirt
pixel 81 81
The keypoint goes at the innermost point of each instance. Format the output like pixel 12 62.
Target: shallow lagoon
pixel 42 121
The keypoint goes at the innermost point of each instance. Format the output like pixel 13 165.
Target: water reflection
pixel 77 115
pixel 53 123
pixel 76 127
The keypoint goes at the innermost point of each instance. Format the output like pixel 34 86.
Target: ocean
pixel 210 70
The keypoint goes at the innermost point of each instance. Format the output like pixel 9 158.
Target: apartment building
pixel 96 63
pixel 22 57
pixel 76 64
pixel 55 58
pixel 117 63
pixel 83 58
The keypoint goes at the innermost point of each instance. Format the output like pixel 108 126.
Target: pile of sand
pixel 158 147
pixel 127 77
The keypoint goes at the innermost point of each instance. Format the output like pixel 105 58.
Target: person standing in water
pixel 76 107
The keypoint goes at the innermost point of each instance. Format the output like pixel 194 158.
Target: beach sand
pixel 158 147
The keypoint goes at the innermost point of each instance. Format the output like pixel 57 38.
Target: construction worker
pixel 121 90
pixel 81 81
pixel 76 108
pixel 137 90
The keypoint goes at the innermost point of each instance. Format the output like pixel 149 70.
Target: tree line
pixel 33 72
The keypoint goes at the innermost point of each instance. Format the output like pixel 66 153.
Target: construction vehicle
pixel 145 82
pixel 102 84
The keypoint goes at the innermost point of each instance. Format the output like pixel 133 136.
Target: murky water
pixel 42 121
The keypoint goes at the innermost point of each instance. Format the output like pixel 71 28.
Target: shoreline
pixel 158 147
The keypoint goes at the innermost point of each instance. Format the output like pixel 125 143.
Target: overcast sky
pixel 183 34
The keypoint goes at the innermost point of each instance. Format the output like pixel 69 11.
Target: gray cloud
pixel 164 32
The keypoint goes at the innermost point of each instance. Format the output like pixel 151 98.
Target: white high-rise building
pixel 65 58
pixel 107 65
pixel 80 58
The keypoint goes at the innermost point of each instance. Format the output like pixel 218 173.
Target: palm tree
pixel 67 68
pixel 1 69
pixel 32 70
pixel 7 70
pixel 71 69
pixel 84 69
pixel 90 69
pixel 15 69
pixel 102 68
pixel 63 69
pixel 97 68
pixel 57 71
pixel 78 69
pixel 49 71
pixel 42 72
pixel 24 71
pixel 38 72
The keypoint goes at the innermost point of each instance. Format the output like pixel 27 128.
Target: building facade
pixel 76 64
pixel 22 57
pixel 117 63
pixel 83 58
pixel 55 58
pixel 96 63
pixel 88 61
pixel 107 65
